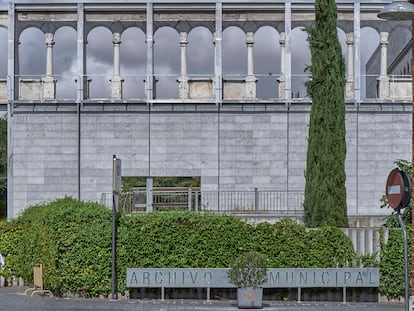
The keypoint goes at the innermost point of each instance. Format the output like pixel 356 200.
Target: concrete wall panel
pixel 229 151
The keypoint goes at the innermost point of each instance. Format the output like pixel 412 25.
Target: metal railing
pixel 244 202
pixel 98 87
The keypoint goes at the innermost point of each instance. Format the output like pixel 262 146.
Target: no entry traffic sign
pixel 398 189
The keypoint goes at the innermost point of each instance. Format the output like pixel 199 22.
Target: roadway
pixel 13 299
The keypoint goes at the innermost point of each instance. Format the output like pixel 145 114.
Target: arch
pixel 234 51
pixel 133 58
pixel 267 62
pixel 342 42
pixel 32 53
pixel 136 25
pixel 399 51
pixel 345 25
pixel 166 62
pixel 92 26
pixel 65 62
pixel 301 58
pixel 200 52
pixel 99 62
pixel 3 53
pixel 370 62
pixel 385 25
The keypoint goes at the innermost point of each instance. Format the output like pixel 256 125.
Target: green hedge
pixel 73 241
pixel 392 264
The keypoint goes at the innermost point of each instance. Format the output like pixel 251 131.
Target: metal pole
pixel 189 199
pixel 412 157
pixel 114 211
pixel 406 275
pixel 114 294
pixel 256 200
pixel 12 91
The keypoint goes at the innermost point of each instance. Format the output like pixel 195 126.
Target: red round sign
pixel 398 189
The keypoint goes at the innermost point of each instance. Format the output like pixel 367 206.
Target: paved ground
pixel 13 299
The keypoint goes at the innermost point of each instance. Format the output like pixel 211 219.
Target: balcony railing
pixel 195 88
pixel 243 202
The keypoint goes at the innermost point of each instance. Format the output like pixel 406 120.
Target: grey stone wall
pixel 44 158
pixel 230 150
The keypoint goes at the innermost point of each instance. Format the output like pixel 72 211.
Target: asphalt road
pixel 13 299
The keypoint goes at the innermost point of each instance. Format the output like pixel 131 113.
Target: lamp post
pixel 404 10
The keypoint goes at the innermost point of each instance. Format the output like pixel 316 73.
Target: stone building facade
pixel 216 129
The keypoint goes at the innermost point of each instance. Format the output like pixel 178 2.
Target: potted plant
pixel 248 273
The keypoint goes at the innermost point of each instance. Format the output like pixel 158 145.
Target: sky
pixel 167 58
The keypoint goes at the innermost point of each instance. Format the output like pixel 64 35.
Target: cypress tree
pixel 325 192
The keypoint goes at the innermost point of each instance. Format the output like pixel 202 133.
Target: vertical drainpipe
pixel 288 80
pixel 357 93
pixel 218 72
pixel 218 69
pixel 12 68
pixel 80 94
pixel 150 89
pixel 150 53
pixel 288 50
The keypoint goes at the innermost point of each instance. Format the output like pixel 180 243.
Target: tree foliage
pixel 391 265
pixel 72 240
pixel 325 192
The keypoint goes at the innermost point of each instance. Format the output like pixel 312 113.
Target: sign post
pixel 116 191
pixel 398 193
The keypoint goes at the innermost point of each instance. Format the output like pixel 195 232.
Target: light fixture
pixel 397 10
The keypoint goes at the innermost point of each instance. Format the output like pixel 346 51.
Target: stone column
pixel 250 79
pixel 49 83
pixel 183 79
pixel 384 80
pixel 116 81
pixel 350 86
pixel 282 77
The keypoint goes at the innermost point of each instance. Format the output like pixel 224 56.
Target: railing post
pixel 149 193
pixel 256 200
pixel 133 201
pixel 189 198
pixel 197 197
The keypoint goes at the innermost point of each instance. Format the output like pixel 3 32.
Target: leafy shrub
pixel 248 270
pixel 284 243
pixel 73 242
pixel 180 240
pixel 391 265
pixel 71 239
pixel 329 247
pixel 288 244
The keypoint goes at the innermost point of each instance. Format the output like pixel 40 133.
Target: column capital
pixel 49 39
pixel 282 38
pixel 116 38
pixel 249 38
pixel 183 37
pixel 350 38
pixel 384 37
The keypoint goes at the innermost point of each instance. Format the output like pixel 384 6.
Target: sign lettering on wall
pixel 276 278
